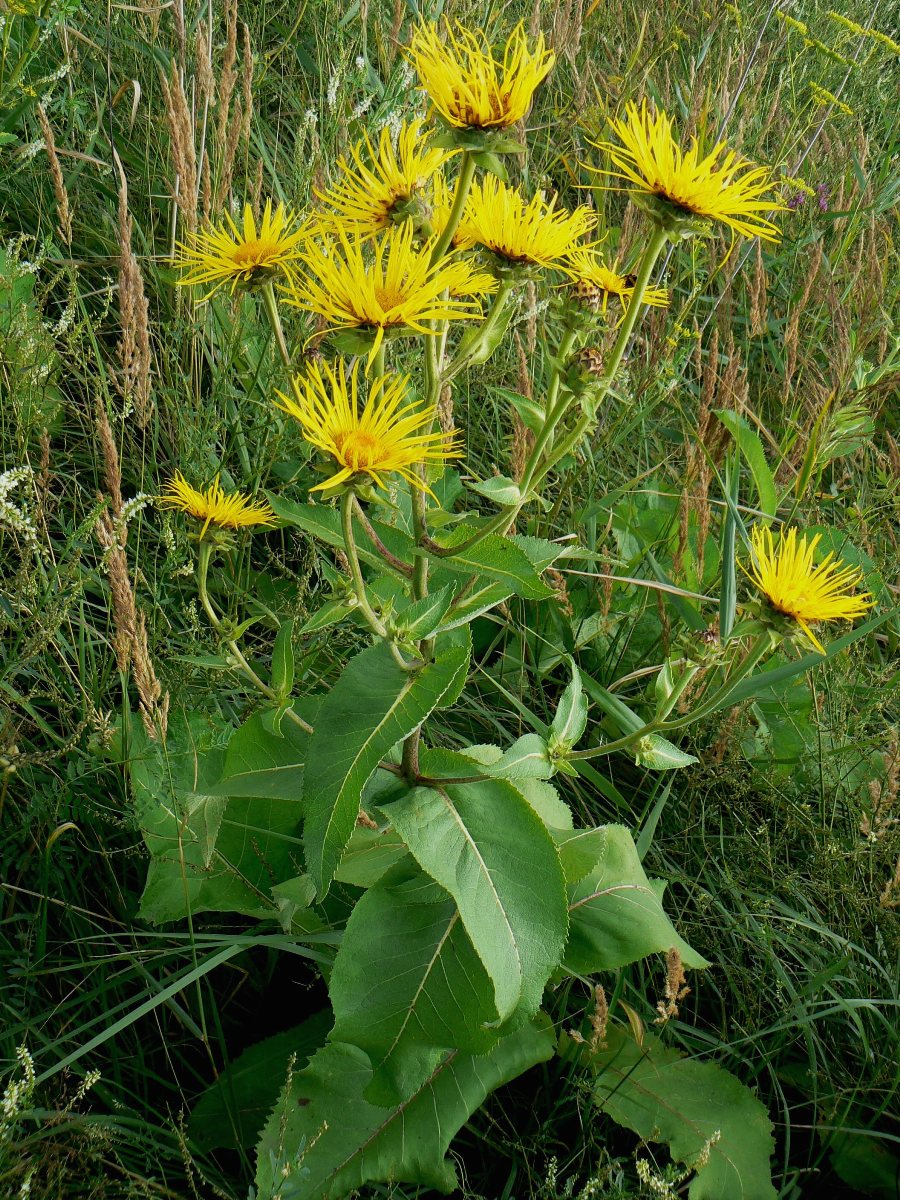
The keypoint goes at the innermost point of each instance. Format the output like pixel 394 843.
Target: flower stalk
pixel 203 560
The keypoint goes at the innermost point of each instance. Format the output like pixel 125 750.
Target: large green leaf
pixel 407 975
pixel 708 1119
pixel 373 705
pixel 486 845
pixel 232 1111
pixel 332 1140
pixel 496 558
pixel 210 853
pixel 615 913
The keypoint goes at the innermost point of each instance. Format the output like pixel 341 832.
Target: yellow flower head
pixel 388 434
pixel 214 506
pixel 797 588
pixel 528 233
pixel 377 185
pixel 467 85
pixel 225 254
pixel 383 284
pixel 718 186
pixel 595 282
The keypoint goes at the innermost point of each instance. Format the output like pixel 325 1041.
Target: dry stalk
pixel 130 640
pixel 676 989
pixel 63 209
pixel 227 76
pixel 184 156
pixel 134 345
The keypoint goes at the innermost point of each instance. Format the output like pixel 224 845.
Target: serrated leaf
pixel 324 522
pixel 347 1142
pixel 406 975
pixel 373 705
pixel 541 795
pixel 615 914
pixel 232 1112
pixel 658 754
pixel 530 411
pixel 330 613
pixel 421 618
pixel 499 490
pixel 707 1118
pixel 230 866
pixel 496 558
pixel 526 758
pixel 570 719
pixel 474 839
pixel 579 850
pixel 750 446
pixel 368 855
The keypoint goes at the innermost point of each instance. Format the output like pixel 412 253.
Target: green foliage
pixel 475 840
pixel 710 1121
pixel 324 1138
pixel 615 911
pixel 373 705
pixel 635 769
pixel 232 1112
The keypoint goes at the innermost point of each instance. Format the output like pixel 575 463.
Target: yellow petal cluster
pixel 718 186
pixel 467 85
pixel 215 506
pixel 373 186
pixel 533 232
pixel 596 282
pixel 385 283
pixel 386 434
pixel 799 588
pixel 231 254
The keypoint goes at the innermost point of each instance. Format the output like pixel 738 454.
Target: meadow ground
pixel 124 126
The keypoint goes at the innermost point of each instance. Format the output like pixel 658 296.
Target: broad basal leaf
pixel 615 915
pixel 373 705
pixel 344 1142
pixel 406 975
pixel 485 845
pixel 215 847
pixel 708 1119
pixel 232 1111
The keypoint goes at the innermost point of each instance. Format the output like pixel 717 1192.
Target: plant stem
pixel 271 306
pixel 760 648
pixel 378 362
pixel 359 587
pixel 648 262
pixel 554 412
pixel 463 184
pixel 392 561
pixel 202 572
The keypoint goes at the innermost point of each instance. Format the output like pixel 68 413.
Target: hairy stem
pixel 271 306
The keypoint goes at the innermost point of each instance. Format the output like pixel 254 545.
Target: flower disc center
pixel 360 449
